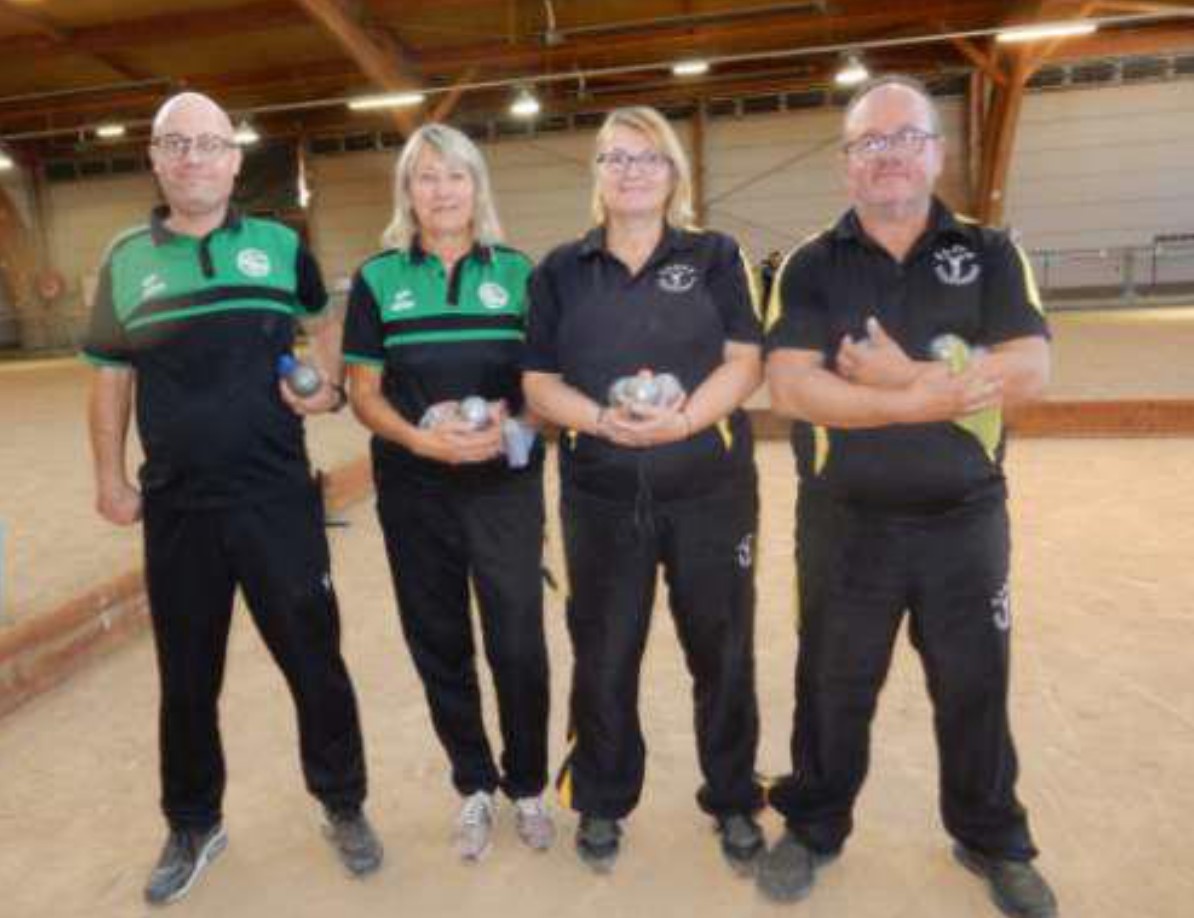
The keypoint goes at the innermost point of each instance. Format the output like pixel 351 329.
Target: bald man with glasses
pixel 894 341
pixel 190 318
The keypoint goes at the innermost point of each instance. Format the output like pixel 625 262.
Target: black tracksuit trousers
pixel 857 572
pixel 706 547
pixel 438 538
pixel 277 553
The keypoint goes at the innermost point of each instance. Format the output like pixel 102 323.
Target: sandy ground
pixel 1103 710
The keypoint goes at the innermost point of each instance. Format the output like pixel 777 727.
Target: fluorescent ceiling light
pixel 6 162
pixel 245 134
pixel 525 105
pixel 110 131
pixel 690 68
pixel 1046 30
pixel 852 72
pixel 388 100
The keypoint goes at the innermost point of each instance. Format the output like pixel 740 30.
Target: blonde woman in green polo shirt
pixel 435 322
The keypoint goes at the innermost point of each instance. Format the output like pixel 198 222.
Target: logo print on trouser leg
pixel 1001 608
pixel 745 551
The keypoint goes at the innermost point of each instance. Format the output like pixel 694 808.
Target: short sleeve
pixel 543 322
pixel 1011 305
pixel 796 315
pixel 106 342
pixel 311 293
pixel 364 337
pixel 735 292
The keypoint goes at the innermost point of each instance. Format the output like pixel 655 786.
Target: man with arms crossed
pixel 896 338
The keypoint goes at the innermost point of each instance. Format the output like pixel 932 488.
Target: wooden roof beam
pixel 61 38
pixel 375 51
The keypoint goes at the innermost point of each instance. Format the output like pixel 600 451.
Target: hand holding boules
pixel 458 433
pixel 646 410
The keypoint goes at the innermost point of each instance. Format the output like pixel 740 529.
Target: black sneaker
pixel 186 853
pixel 354 840
pixel 597 842
pixel 1016 886
pixel 742 841
pixel 787 871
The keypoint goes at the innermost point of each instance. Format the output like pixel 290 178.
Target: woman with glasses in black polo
pixel 660 471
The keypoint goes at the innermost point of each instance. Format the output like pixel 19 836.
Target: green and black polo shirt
pixel 202 322
pixel 592 321
pixel 959 278
pixel 437 337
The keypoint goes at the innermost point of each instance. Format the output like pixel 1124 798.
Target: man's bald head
pixel 878 91
pixel 187 104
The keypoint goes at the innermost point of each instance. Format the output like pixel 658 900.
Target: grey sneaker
pixel 474 826
pixel 186 853
pixel 742 841
pixel 534 824
pixel 786 872
pixel 1016 886
pixel 355 842
pixel 597 842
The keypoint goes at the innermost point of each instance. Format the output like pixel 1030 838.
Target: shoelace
pixel 475 811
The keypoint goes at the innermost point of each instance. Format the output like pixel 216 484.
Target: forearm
pixel 324 333
pixel 377 414
pixel 553 400
pixel 1022 368
pixel 823 398
pixel 723 391
pixel 108 412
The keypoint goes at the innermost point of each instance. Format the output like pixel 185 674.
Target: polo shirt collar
pixel 942 222
pixel 418 254
pixel 674 239
pixel 161 233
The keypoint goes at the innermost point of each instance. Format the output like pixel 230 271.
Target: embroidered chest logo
pixel 493 295
pixel 677 278
pixel 956 265
pixel 152 285
pixel 252 262
pixel 402 301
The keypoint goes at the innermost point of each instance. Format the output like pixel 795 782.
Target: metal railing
pixel 1156 274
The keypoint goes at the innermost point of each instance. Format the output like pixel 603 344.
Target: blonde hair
pixel 652 125
pixel 457 149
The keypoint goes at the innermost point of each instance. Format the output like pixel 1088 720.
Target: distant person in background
pixel 192 314
pixel 767 269
pixel 435 325
pixel 900 334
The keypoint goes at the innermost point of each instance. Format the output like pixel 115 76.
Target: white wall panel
pixel 1103 167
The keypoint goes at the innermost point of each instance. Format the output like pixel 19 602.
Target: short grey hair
pixel 455 147
pixel 910 83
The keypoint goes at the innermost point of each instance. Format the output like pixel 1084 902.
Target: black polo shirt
pixel 437 338
pixel 959 278
pixel 202 322
pixel 592 321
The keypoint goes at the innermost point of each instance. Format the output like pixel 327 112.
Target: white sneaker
pixel 535 827
pixel 474 826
